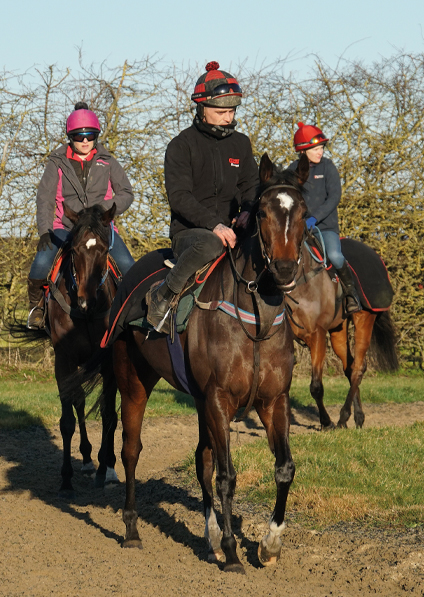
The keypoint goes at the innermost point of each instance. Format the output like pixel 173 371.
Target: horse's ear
pixel 107 217
pixel 70 214
pixel 266 168
pixel 302 169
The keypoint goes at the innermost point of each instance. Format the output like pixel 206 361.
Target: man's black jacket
pixel 208 179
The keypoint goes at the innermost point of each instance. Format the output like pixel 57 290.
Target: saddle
pixel 369 272
pixel 129 306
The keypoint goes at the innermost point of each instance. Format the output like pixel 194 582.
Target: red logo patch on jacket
pixel 234 162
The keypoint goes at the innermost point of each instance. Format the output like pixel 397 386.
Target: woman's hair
pixel 81 106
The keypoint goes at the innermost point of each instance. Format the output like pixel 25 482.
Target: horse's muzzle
pixel 85 305
pixel 284 273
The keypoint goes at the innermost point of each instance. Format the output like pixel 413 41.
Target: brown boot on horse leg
pixel 35 319
pixel 353 304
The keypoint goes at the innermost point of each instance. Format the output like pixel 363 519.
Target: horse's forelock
pixel 279 177
pixel 90 219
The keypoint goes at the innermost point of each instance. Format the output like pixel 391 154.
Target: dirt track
pixel 50 547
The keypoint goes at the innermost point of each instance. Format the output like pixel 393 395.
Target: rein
pixel 72 311
pixel 265 323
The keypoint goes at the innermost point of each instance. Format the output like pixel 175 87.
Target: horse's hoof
pixel 111 484
pixel 111 478
pixel 88 469
pixel 329 427
pixel 99 481
pixel 66 494
pixel 266 557
pixel 216 556
pixel 132 543
pixel 237 568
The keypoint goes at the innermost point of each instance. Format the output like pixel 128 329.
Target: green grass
pixel 378 389
pixel 31 399
pixel 370 476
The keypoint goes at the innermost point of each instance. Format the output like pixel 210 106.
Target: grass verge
pixel 371 476
pixel 30 397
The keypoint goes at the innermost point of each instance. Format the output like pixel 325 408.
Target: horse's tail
pixel 15 332
pixel 383 343
pixel 88 378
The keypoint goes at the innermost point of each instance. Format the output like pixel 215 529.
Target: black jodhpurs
pixel 193 249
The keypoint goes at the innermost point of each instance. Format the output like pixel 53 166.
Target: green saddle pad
pixel 184 309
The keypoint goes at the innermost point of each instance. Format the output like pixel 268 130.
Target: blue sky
pixel 188 32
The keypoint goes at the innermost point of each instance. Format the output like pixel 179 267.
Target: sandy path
pixel 50 547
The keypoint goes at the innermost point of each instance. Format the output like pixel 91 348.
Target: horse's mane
pixel 90 219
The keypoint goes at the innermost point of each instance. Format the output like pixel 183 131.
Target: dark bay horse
pixel 231 364
pixel 77 317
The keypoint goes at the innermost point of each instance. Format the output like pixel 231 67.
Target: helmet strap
pixel 200 111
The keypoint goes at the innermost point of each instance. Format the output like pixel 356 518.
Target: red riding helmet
pixel 308 136
pixel 217 88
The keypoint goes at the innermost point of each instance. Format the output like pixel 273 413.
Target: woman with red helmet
pixel 322 197
pixel 81 174
pixel 210 179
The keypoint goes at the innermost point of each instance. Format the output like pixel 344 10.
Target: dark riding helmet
pixel 308 136
pixel 217 88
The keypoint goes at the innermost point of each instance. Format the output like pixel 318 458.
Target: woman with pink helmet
pixel 322 196
pixel 81 174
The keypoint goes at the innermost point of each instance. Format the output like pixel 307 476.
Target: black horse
pixel 77 317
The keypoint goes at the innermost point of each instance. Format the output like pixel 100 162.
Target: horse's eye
pixel 261 214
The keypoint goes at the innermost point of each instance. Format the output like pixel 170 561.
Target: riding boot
pixel 352 301
pixel 36 319
pixel 159 299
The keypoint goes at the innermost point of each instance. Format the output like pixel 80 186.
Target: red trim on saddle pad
pixel 210 270
pixel 108 332
pixel 112 268
pixel 55 271
pixel 319 256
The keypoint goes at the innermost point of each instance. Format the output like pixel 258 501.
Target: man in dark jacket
pixel 211 179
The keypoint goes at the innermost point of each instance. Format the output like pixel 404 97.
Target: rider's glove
pixel 310 222
pixel 44 242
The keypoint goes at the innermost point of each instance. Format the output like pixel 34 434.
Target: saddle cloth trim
pixel 245 316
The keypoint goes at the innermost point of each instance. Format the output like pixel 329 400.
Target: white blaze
pixel 286 202
pixel 90 243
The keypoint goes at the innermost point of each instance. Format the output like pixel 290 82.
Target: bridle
pixel 252 285
pixel 60 299
pixel 265 322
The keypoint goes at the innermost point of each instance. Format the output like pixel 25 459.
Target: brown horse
pixel 77 317
pixel 230 363
pixel 316 308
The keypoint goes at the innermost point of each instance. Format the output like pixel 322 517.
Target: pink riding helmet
pixel 82 120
